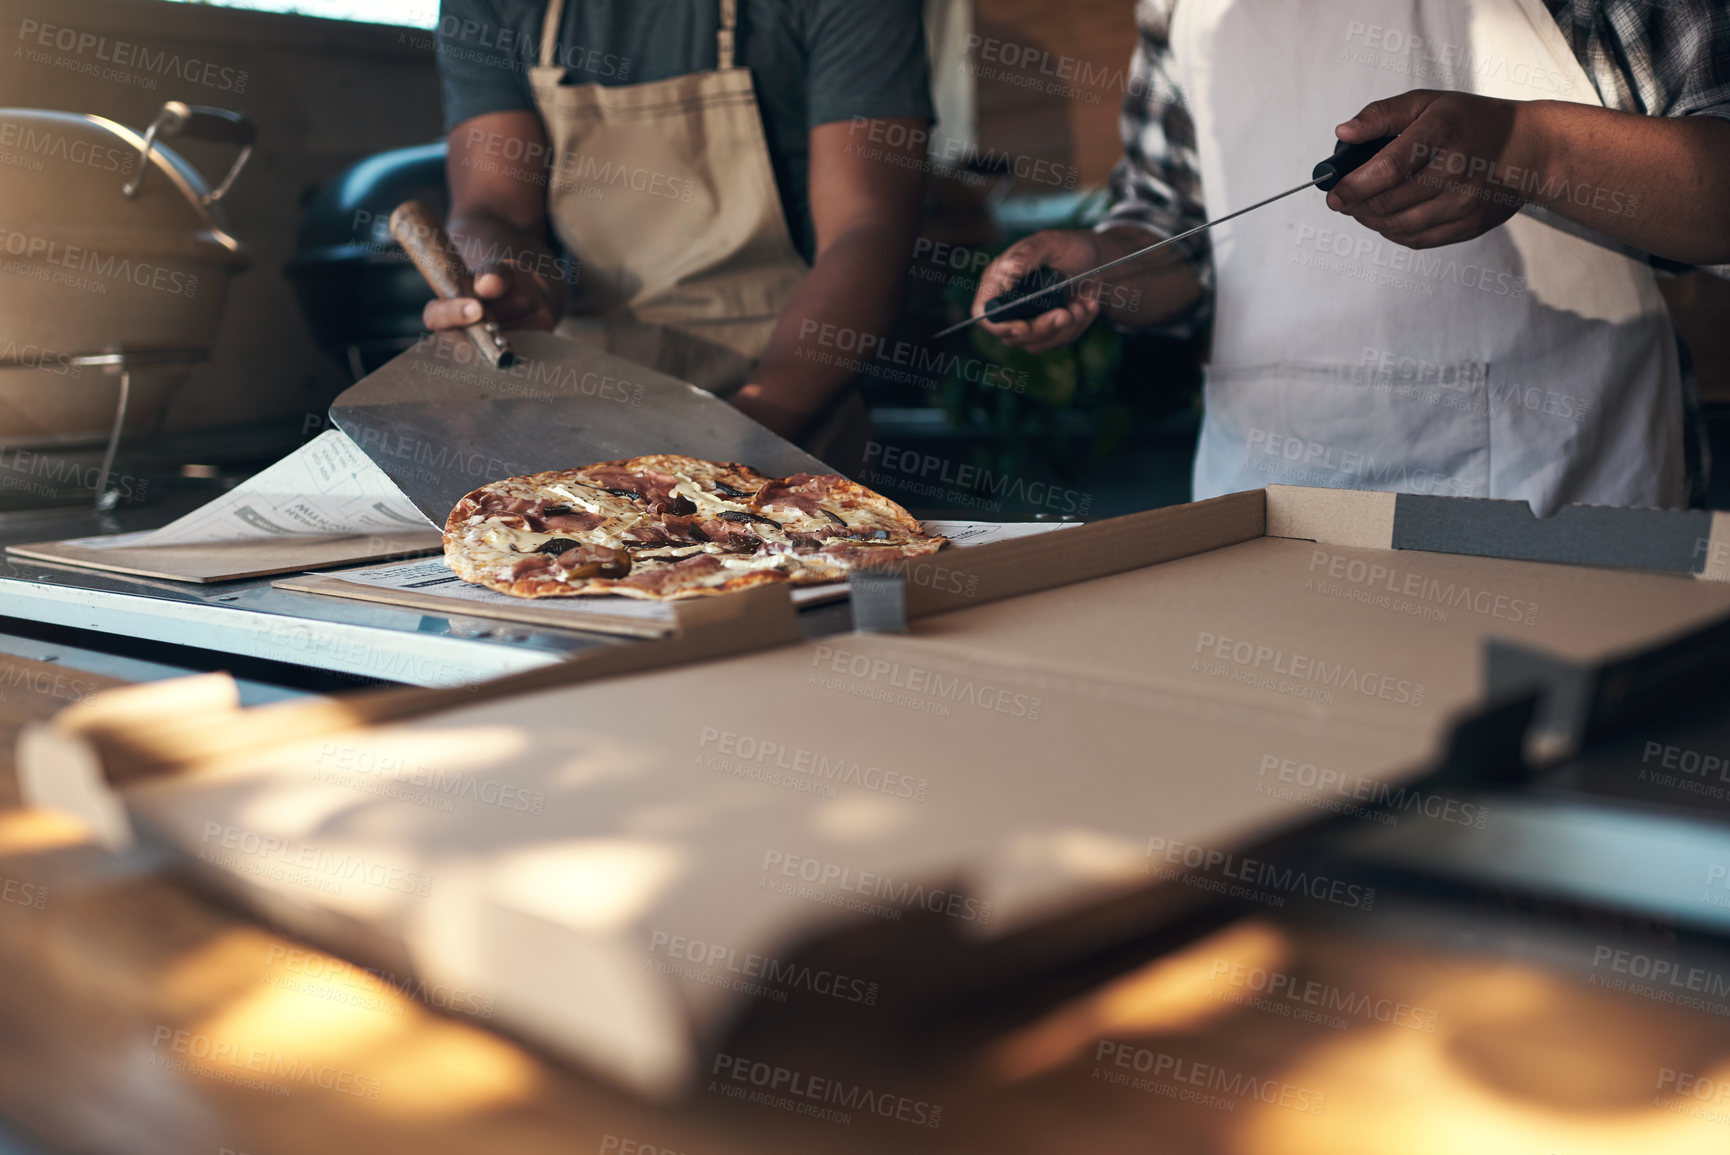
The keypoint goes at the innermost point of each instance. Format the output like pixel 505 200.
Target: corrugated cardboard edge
pixel 151 742
pixel 1343 517
pixel 957 579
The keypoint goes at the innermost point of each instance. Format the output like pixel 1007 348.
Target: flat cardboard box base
pixel 1076 739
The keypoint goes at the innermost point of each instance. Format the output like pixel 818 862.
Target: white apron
pixel 1528 363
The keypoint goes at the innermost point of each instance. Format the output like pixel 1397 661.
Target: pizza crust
pixel 689 527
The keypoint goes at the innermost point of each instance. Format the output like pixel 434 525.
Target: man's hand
pixel 1070 252
pixel 1444 180
pixel 519 298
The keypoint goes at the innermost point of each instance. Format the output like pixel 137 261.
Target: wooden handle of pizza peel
pixel 423 238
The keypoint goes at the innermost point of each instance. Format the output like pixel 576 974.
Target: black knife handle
pixel 1347 159
pixel 1033 296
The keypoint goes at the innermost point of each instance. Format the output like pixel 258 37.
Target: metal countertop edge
pixel 365 651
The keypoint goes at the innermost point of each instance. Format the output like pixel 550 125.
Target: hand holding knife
pixel 1042 289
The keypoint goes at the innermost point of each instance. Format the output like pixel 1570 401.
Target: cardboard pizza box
pixel 1045 749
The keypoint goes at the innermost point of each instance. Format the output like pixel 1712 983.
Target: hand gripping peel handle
pixel 424 239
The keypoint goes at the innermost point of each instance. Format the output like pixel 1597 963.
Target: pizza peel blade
pixel 440 421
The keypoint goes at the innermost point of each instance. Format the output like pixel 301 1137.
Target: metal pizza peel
pixel 467 407
pixel 440 421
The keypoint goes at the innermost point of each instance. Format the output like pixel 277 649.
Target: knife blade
pixel 1035 293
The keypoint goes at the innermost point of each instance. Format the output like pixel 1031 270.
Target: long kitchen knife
pixel 1042 289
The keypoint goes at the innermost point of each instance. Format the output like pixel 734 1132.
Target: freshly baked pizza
pixel 666 527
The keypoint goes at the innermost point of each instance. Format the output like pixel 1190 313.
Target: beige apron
pixel 665 195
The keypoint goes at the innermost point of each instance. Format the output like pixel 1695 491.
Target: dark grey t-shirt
pixel 813 62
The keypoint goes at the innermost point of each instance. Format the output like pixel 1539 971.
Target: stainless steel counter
pixel 251 619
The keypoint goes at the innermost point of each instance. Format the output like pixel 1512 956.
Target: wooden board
pixel 632 619
pixel 430 586
pixel 233 560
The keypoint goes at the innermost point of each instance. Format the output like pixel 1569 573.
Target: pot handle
pixel 197 122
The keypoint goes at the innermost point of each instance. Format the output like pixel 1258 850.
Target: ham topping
pixel 574 521
pixel 652 486
pixel 661 579
pixel 802 491
pixel 734 536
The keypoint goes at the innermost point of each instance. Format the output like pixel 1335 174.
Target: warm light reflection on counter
pixel 324 1027
pixel 1522 1060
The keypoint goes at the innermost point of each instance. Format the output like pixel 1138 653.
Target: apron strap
pixel 550 32
pixel 725 36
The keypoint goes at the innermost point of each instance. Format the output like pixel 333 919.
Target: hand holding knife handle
pixel 423 238
pixel 1043 289
pixel 1031 296
pixel 1347 159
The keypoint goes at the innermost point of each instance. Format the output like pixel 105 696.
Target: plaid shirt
pixel 1654 57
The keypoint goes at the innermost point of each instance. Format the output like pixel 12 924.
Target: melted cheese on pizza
pixel 688 526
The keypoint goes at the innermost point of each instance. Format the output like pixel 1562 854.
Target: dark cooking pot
pixel 361 297
pixel 109 242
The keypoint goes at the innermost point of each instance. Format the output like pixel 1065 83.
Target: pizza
pixel 666 527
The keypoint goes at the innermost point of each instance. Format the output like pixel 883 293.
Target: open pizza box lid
pixel 1057 745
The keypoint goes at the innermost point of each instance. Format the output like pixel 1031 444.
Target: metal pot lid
pixel 64 178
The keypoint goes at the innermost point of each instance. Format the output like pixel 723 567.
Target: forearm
pixel 482 233
pixel 1661 184
pixel 852 292
pixel 486 238
pixel 1153 290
